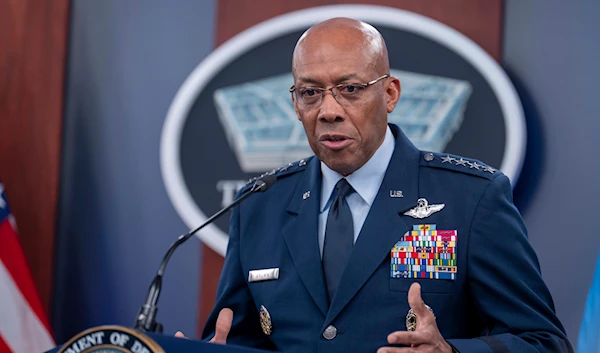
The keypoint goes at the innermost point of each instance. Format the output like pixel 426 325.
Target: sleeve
pixel 233 293
pixel 505 281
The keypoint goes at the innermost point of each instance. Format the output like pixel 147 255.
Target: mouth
pixel 335 142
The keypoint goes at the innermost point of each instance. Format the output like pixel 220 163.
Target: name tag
pixel 266 274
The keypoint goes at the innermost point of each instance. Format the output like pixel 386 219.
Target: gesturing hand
pixel 222 327
pixel 426 337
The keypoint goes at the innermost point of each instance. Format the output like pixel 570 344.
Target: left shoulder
pixel 458 164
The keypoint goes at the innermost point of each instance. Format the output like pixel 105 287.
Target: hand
pixel 426 338
pixel 222 327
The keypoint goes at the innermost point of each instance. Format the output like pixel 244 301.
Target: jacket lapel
pixel 300 234
pixel 384 225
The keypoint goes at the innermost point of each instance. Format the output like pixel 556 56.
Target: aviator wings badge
pixel 423 209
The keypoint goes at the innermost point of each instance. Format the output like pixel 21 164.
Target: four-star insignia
pixel 274 171
pixel 464 162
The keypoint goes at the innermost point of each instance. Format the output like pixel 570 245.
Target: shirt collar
pixel 367 179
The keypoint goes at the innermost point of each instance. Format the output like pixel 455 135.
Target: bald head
pixel 343 35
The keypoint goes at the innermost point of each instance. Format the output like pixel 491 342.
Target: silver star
pixel 489 169
pixel 306 195
pixel 475 165
pixel 461 162
pixel 448 159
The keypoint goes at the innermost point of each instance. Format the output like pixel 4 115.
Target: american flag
pixel 24 327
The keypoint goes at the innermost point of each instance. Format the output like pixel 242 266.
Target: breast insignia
pixel 424 209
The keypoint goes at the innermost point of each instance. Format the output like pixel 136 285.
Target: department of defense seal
pixel 111 339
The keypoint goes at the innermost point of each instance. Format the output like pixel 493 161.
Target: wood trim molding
pixel 33 48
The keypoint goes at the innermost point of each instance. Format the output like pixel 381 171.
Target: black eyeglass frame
pixel 341 85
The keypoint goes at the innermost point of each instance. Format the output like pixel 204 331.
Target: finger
pixel 179 334
pixel 418 305
pixel 408 338
pixel 223 326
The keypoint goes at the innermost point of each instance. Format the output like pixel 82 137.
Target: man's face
pixel 343 136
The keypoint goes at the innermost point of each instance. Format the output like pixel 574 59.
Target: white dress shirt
pixel 366 182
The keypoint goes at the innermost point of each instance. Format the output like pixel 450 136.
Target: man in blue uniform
pixel 372 245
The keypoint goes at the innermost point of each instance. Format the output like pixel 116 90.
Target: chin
pixel 338 166
pixel 343 162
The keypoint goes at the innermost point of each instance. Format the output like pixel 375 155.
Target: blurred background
pixel 85 92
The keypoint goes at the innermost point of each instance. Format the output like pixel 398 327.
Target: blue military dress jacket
pixel 494 300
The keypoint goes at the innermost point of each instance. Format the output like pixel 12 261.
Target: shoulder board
pixel 285 170
pixel 459 164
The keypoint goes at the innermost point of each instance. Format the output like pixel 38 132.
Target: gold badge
pixel 265 321
pixel 411 319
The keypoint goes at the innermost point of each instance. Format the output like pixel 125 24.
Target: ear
pixel 392 93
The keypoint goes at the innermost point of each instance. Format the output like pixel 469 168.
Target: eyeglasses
pixel 345 93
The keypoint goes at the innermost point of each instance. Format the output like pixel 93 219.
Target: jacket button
pixel 330 332
pixel 428 157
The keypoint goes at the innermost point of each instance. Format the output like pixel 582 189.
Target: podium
pixel 126 340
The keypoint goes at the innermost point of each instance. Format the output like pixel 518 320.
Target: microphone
pixel 146 318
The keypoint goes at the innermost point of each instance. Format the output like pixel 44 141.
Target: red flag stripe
pixel 13 259
pixel 3 346
pixel 21 329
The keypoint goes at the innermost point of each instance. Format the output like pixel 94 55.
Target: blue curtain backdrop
pixel 126 61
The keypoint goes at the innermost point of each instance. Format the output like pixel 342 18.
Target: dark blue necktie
pixel 339 237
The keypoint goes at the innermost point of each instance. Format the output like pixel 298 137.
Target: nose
pixel 330 110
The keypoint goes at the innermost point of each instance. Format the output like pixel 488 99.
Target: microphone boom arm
pixel 146 318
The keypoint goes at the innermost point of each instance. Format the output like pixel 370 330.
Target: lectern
pixel 119 339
